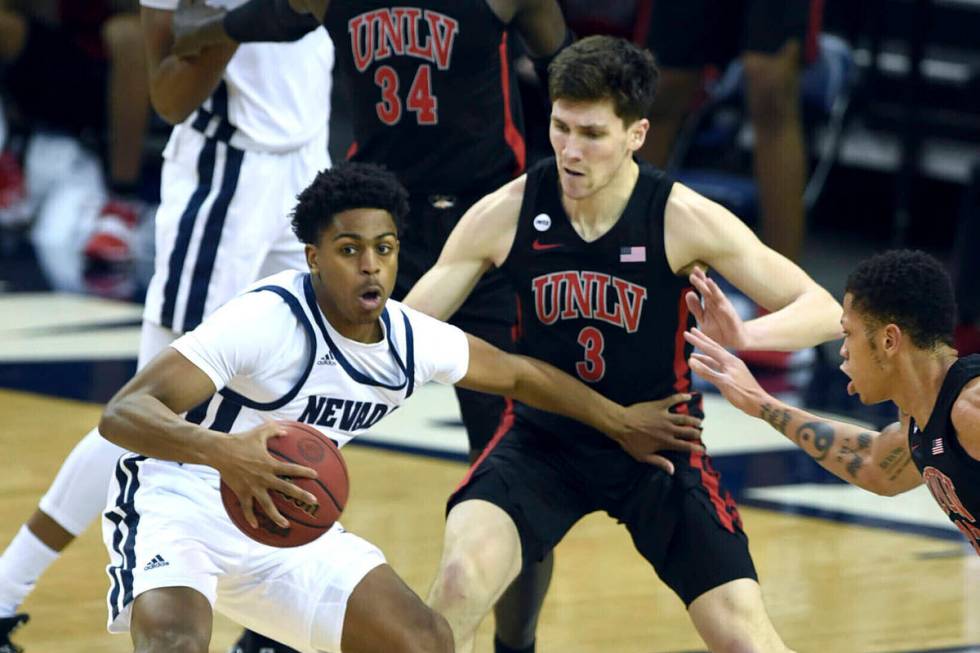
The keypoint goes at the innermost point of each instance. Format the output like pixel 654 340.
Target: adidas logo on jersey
pixel 157 561
pixel 327 359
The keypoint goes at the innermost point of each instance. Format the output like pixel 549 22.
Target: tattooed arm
pixel 879 462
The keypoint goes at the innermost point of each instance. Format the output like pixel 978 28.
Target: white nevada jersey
pixel 272 355
pixel 273 97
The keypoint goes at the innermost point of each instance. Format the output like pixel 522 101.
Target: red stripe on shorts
pixel 682 383
pixel 506 421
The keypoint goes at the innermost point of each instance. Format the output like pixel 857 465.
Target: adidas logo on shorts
pixel 157 561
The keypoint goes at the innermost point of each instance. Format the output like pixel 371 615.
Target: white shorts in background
pixel 223 222
pixel 164 526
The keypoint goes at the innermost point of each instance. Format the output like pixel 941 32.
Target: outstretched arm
pixel 144 416
pixel 879 462
pixel 481 240
pixel 803 313
pixel 641 429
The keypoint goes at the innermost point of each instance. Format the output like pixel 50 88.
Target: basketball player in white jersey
pixel 250 134
pixel 327 348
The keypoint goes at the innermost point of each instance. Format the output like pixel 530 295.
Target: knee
pixel 169 636
pixel 171 641
pixel 773 90
pixel 458 580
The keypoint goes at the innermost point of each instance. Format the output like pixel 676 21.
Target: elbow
pixel 171 112
pixel 170 107
pixel 880 486
pixel 108 423
pixel 888 490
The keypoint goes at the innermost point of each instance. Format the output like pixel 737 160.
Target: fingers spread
pixel 685 433
pixel 294 470
pixel 292 490
pixel 702 369
pixel 248 511
pixel 685 420
pixel 694 305
pixel 269 508
pixel 704 342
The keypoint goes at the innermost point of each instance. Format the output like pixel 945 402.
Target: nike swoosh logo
pixel 536 246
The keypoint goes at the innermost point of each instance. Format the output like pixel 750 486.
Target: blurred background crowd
pixel 887 101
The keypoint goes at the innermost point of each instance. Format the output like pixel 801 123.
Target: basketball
pixel 303 445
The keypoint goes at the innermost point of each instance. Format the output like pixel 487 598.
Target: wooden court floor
pixel 829 587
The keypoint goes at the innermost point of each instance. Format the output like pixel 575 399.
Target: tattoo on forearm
pixel 891 457
pixel 778 418
pixel 817 435
pixel 850 453
pixel 895 462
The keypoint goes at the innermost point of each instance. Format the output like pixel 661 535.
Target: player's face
pixel 863 363
pixel 591 145
pixel 356 262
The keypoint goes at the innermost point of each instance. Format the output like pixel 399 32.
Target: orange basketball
pixel 304 445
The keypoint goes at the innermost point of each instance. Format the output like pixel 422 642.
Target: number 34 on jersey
pixel 380 34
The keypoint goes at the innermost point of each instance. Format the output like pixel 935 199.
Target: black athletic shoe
pixel 251 642
pixel 7 627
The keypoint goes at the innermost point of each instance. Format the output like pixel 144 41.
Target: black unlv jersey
pixel 610 312
pixel 434 97
pixel 951 474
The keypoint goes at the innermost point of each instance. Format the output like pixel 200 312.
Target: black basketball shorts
pixel 686 525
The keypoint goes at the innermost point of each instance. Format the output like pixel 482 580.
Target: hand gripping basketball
pixel 294 473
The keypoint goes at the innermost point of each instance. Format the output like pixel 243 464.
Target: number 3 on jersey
pixel 593 368
pixel 420 98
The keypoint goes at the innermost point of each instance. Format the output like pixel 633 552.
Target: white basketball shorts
pixel 223 222
pixel 165 526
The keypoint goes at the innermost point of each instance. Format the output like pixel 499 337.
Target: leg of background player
pixel 129 97
pixel 518 608
pixel 13 34
pixel 675 91
pixel 780 165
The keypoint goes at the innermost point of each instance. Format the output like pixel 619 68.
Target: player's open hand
pixel 251 472
pixel 714 311
pixel 726 371
pixel 195 27
pixel 652 426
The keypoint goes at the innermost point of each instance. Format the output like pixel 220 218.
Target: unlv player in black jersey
pixel 433 99
pixel 898 323
pixel 600 248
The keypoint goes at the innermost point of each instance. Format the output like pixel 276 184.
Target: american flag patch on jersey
pixel 937 446
pixel 632 254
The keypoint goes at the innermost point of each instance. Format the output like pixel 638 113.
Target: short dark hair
pixel 908 288
pixel 606 68
pixel 342 187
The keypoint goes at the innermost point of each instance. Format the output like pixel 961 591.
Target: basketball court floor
pixel 841 570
